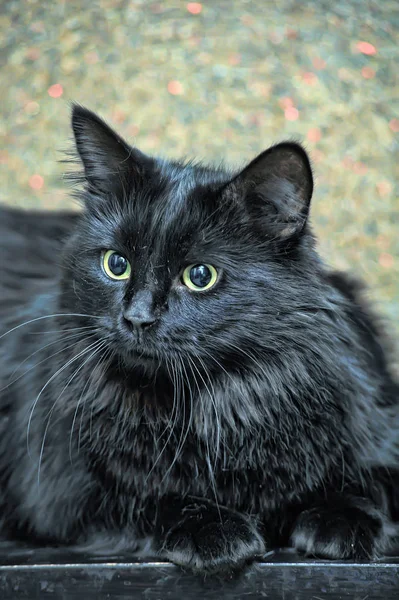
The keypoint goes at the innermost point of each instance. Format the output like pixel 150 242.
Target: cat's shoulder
pixel 370 326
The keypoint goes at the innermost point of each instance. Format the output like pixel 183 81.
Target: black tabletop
pixel 56 574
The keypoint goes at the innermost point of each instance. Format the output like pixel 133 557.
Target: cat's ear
pixel 277 188
pixel 109 162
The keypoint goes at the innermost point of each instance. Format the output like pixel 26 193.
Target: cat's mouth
pixel 134 348
pixel 143 356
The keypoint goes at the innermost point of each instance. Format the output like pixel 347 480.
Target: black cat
pixel 181 374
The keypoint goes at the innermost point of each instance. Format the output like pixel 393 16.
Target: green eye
pixel 115 265
pixel 199 277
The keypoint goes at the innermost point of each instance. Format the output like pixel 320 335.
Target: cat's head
pixel 189 262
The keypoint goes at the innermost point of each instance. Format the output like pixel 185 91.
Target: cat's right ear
pixel 109 162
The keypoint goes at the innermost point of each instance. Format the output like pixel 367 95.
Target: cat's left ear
pixel 277 187
pixel 109 162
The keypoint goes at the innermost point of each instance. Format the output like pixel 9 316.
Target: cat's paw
pixel 212 540
pixel 338 533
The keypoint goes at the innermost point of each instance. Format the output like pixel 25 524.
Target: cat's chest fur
pixel 150 441
pixel 137 451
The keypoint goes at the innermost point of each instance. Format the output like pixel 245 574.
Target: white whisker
pixel 83 391
pixel 176 392
pixel 48 317
pixel 99 345
pixel 208 457
pixel 70 361
pixel 169 423
pixel 106 356
pixel 66 339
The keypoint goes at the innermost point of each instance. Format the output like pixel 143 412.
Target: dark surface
pixel 54 574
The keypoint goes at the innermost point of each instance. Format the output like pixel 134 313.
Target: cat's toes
pixel 342 534
pixel 218 545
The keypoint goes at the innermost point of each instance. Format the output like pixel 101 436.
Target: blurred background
pixel 219 80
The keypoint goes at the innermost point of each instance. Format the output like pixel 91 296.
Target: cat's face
pixel 186 263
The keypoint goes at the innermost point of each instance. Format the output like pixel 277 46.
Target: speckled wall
pixel 220 80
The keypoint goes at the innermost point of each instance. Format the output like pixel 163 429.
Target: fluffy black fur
pixel 259 413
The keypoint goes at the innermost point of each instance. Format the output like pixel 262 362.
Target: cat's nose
pixel 140 321
pixel 140 313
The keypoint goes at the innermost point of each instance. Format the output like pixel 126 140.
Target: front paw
pixel 340 532
pixel 211 539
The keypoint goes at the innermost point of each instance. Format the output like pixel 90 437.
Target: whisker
pixel 216 361
pixel 183 403
pixel 169 423
pixel 212 401
pixel 218 425
pixel 89 379
pixel 176 391
pixel 106 356
pixel 70 361
pixel 48 317
pixel 61 330
pixel 99 345
pixel 208 461
pixel 229 376
pixel 247 354
pixel 191 405
pixel 66 339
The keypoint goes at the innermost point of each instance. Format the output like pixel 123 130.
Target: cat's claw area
pixel 211 539
pixel 333 535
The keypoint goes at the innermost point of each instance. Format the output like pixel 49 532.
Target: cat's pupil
pixel 117 264
pixel 200 275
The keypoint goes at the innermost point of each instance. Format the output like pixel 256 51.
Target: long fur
pixel 257 414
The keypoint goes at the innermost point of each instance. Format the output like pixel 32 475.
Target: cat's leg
pixel 342 527
pixel 204 537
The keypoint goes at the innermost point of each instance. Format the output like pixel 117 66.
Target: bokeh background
pixel 219 80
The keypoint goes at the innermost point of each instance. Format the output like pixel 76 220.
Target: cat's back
pixel 30 247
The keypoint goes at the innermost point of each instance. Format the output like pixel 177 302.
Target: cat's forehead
pixel 185 178
pixel 171 206
pixel 183 194
pixel 178 184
